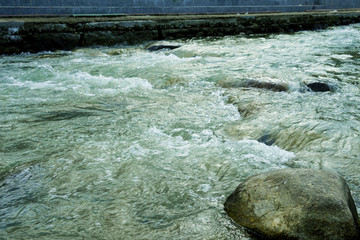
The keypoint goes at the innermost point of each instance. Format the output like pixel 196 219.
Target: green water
pixel 123 143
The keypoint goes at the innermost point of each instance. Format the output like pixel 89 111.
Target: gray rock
pixel 254 83
pixel 295 204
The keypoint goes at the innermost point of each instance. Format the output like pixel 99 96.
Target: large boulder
pixel 295 204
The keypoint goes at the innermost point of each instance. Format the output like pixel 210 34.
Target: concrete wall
pixel 69 7
pixel 65 33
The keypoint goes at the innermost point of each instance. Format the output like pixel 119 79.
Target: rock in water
pixel 277 87
pixel 295 204
pixel 319 87
pixel 255 83
pixel 162 47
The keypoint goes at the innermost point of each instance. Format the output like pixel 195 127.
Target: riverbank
pixel 34 34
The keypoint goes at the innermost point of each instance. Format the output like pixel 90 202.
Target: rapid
pixel 125 143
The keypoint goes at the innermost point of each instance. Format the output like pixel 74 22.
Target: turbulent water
pixel 124 143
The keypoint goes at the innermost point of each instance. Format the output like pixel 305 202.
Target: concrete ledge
pixel 65 33
pixel 69 10
pixel 66 7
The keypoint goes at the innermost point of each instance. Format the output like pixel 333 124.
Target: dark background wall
pixel 69 7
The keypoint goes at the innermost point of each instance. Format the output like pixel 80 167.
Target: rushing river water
pixel 124 143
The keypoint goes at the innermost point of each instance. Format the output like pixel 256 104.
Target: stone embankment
pixel 65 33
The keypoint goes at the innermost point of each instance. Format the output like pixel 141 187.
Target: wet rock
pixel 295 204
pixel 319 87
pixel 267 138
pixel 162 47
pixel 247 110
pixel 277 87
pixel 254 83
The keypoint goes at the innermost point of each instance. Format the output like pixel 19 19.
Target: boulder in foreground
pixel 295 204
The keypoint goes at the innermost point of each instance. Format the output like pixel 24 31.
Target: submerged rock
pixel 254 83
pixel 295 204
pixel 162 47
pixel 267 138
pixel 319 87
pixel 277 87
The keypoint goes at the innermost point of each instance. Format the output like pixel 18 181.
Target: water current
pixel 124 143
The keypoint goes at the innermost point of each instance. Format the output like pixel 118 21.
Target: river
pixel 124 143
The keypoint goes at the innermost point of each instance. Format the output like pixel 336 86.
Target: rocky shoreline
pixel 35 34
